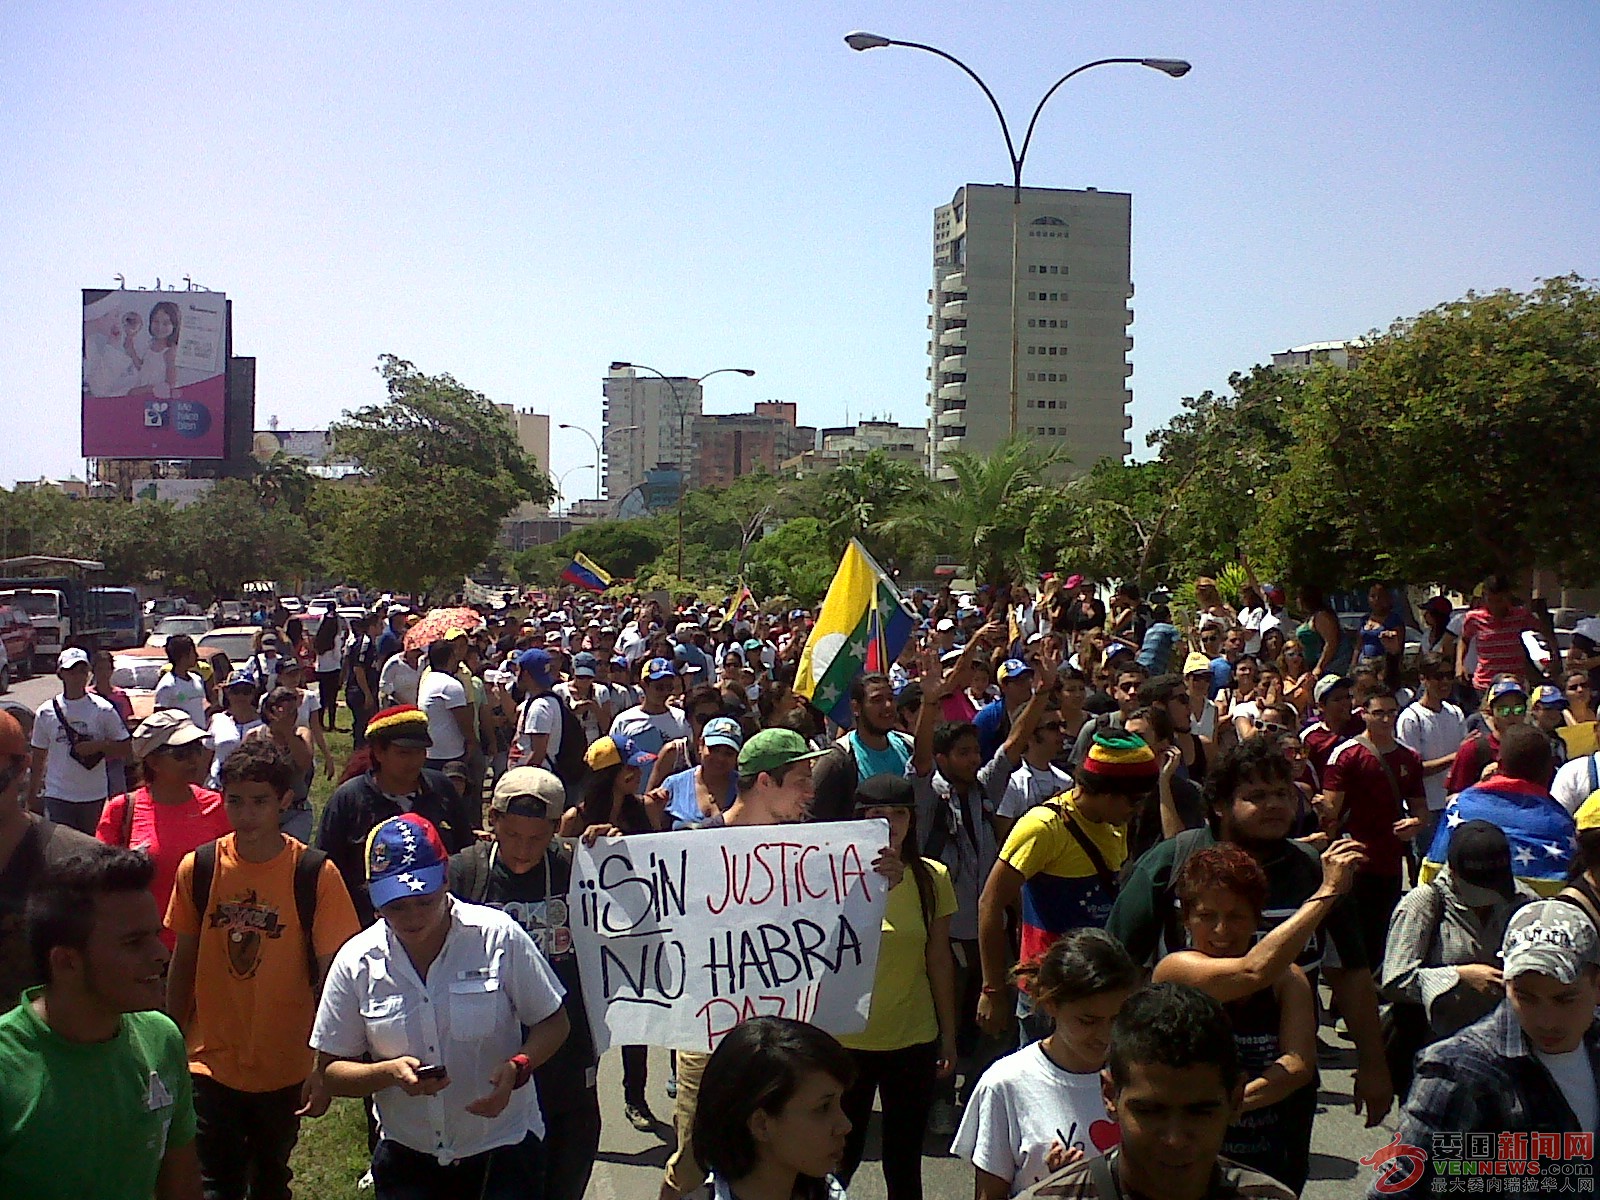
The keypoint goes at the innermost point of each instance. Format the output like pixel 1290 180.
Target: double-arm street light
pixel 1174 67
pixel 561 485
pixel 607 436
pixel 681 404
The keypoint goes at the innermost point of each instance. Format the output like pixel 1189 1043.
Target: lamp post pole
pixel 1175 67
pixel 681 405
pixel 610 433
pixel 561 485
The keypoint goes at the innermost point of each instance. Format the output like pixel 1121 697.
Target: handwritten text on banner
pixel 681 936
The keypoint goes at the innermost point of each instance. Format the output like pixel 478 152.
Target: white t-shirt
pixel 1023 1103
pixel 1575 781
pixel 439 696
pixel 1574 1075
pixel 1469 661
pixel 226 734
pixel 310 702
pixel 1031 785
pixel 91 716
pixel 650 731
pixel 187 692
pixel 540 714
pixel 1250 620
pixel 397 682
pixel 1431 735
pixel 329 660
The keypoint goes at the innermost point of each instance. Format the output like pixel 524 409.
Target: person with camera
pixel 73 736
pixel 441 1012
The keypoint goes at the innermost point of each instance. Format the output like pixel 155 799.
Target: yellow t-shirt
pixel 902 1011
pixel 251 1028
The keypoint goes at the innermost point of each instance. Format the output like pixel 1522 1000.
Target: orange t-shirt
pixel 254 1006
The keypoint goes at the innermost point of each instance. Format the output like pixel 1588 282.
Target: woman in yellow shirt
pixel 910 1038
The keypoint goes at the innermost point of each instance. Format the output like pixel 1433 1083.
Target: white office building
pixel 1072 288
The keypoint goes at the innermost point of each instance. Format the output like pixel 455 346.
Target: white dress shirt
pixel 488 981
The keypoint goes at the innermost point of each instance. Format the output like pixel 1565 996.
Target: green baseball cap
pixel 774 749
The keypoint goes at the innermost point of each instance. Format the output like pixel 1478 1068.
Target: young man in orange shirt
pixel 246 975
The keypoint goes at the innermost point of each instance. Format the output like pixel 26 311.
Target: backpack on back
pixel 306 873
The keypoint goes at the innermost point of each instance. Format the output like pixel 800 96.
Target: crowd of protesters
pixel 1141 877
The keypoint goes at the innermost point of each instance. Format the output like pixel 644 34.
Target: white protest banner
pixel 681 936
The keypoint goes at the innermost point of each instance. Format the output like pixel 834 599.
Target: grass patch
pixel 332 1152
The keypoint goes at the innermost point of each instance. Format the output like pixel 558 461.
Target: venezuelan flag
pixel 740 598
pixel 1542 834
pixel 583 572
pixel 863 626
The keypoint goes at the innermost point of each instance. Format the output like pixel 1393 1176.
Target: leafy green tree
pixel 226 538
pixel 1109 524
pixel 983 517
pixel 285 480
pixel 870 498
pixel 794 560
pixel 1456 445
pixel 442 470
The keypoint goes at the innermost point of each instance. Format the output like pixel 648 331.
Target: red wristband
pixel 524 1069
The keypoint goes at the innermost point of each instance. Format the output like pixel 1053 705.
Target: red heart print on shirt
pixel 1104 1135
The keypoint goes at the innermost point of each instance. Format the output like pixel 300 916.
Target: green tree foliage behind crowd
pixel 1458 442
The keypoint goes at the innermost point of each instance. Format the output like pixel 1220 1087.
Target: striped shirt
pixel 1499 643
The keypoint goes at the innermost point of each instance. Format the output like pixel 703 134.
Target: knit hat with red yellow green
pixel 1118 761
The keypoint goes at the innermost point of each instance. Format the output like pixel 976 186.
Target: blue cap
pixel 1013 668
pixel 1506 687
pixel 536 662
pixel 405 857
pixel 583 665
pixel 723 731
pixel 796 614
pixel 1550 696
pixel 620 660
pixel 660 668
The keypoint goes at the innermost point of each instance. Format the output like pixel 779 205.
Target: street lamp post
pixel 682 406
pixel 610 433
pixel 1175 67
pixel 561 485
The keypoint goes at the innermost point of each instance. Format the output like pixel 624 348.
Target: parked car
pixel 18 641
pixel 138 671
pixel 165 606
pixel 168 626
pixel 236 641
pixel 231 612
pixel 292 605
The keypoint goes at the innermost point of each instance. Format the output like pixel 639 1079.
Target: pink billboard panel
pixel 154 374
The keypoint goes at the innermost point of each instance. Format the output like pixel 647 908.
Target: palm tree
pixel 983 514
pixel 284 480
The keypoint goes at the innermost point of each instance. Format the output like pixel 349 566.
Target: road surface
pixel 630 1162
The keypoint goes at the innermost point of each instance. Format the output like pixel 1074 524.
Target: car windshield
pixel 193 626
pixel 142 674
pixel 38 604
pixel 235 645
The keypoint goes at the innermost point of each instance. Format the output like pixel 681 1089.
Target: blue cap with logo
pixel 723 731
pixel 536 663
pixel 660 668
pixel 584 665
pixel 405 857
pixel 1506 687
pixel 1013 668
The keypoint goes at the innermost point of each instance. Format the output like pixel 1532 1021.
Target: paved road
pixel 33 692
pixel 630 1162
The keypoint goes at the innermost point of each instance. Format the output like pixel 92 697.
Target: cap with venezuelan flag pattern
pixel 405 857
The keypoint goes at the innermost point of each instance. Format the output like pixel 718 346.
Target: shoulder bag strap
pixel 127 819
pixel 1388 772
pixel 1108 877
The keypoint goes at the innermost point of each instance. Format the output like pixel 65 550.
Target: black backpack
pixel 306 873
pixel 568 765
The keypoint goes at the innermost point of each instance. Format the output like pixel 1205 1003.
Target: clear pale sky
pixel 519 193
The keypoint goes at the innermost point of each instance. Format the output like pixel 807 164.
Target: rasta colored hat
pixel 402 725
pixel 1116 755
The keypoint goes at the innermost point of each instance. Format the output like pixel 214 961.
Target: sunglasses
pixel 1510 710
pixel 1274 727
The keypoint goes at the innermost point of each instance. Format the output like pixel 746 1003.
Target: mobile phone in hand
pixel 434 1071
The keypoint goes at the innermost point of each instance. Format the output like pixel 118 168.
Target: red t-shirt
pixel 1320 741
pixel 166 832
pixel 1370 805
pixel 1477 752
pixel 1499 642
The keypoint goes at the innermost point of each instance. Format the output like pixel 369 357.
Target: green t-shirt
pixel 79 1121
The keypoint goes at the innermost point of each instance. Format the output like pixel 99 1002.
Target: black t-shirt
pixel 537 900
pixel 1144 826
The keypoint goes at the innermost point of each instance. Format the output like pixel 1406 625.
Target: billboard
pixel 180 492
pixel 154 374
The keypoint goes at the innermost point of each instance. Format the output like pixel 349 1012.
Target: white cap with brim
pixel 1549 937
pixel 72 656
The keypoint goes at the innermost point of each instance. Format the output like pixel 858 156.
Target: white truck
pixel 47 610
